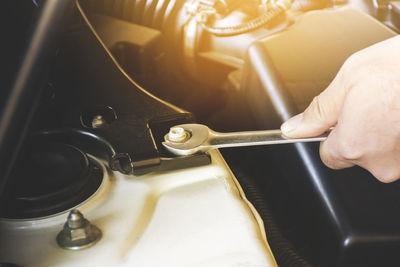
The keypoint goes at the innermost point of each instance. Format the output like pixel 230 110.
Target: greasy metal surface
pixel 193 217
pixel 203 139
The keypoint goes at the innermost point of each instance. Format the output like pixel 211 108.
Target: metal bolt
pixel 177 135
pixel 98 121
pixel 78 232
pixel 75 219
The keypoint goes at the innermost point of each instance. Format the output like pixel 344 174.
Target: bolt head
pixel 98 121
pixel 78 233
pixel 177 135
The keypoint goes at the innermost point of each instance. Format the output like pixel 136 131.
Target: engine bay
pixel 125 71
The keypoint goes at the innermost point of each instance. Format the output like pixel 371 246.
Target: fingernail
pixel 292 124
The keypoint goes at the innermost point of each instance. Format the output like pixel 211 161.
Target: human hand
pixel 363 103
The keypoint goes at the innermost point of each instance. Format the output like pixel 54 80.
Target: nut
pixel 78 233
pixel 98 121
pixel 177 135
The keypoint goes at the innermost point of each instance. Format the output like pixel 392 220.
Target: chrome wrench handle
pixel 188 139
pixel 255 138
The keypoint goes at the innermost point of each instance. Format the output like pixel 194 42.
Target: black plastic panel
pixel 336 218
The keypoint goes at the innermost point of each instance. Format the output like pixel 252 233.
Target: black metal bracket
pixel 95 105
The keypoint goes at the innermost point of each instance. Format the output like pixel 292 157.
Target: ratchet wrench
pixel 188 139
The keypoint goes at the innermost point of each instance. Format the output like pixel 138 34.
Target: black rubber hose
pixel 150 13
pixel 284 251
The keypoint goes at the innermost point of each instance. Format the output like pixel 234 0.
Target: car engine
pixel 91 89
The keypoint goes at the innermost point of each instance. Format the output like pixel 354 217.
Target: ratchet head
pixel 187 139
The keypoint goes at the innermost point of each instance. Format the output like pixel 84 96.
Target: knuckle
pixel 348 64
pixel 386 175
pixel 349 151
pixel 328 157
pixel 354 59
pixel 328 162
pixel 354 62
pixel 334 157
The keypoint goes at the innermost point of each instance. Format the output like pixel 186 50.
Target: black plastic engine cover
pixel 340 218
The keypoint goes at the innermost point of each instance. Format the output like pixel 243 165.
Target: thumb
pixel 319 116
